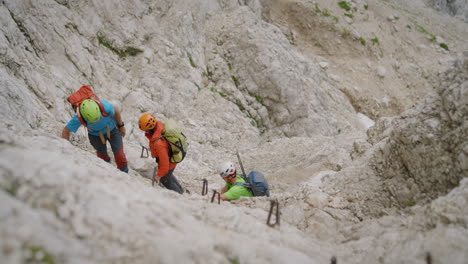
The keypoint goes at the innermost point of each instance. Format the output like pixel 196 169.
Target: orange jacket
pixel 160 149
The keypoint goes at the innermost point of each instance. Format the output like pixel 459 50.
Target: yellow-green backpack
pixel 177 141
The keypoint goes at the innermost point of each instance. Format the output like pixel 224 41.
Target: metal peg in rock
pixel 154 176
pixel 333 260
pixel 214 194
pixel 143 149
pixel 273 204
pixel 205 187
pixel 428 258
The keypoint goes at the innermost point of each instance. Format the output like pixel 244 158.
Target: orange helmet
pixel 147 121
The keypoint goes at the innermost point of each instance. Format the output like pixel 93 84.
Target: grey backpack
pixel 255 182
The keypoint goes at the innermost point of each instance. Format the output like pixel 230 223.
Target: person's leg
pixel 118 150
pixel 101 149
pixel 176 182
pixel 170 182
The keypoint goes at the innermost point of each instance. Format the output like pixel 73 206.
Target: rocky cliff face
pixel 355 111
pixel 454 8
pixel 426 151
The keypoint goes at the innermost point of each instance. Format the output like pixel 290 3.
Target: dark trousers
pixel 116 145
pixel 170 182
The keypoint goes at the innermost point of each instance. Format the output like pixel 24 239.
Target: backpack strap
pixel 243 184
pixel 101 107
pixel 246 185
pixel 83 122
pixel 243 177
pixel 103 139
pixel 161 137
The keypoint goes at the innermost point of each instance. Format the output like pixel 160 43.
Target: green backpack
pixel 176 139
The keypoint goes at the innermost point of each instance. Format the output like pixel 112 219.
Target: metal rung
pixel 214 194
pixel 428 258
pixel 154 176
pixel 273 204
pixel 143 149
pixel 205 187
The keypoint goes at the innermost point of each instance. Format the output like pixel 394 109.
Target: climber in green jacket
pixel 231 191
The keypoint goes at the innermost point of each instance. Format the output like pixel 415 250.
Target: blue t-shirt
pixel 100 125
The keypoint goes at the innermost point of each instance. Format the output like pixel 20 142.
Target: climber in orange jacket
pixel 160 151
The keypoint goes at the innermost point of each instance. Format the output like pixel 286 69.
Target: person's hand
pixel 66 133
pixel 123 131
pixel 223 197
pixel 155 179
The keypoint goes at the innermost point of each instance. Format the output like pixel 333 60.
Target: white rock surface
pixel 238 75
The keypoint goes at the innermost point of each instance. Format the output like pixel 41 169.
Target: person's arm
pixel 66 133
pixel 224 189
pixel 120 123
pixel 223 197
pixel 234 193
pixel 163 155
pixel 72 126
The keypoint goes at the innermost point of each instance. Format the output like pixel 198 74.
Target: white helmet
pixel 227 169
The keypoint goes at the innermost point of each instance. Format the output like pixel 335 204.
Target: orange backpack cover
pixel 85 92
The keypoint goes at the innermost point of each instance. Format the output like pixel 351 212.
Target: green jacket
pixel 235 191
